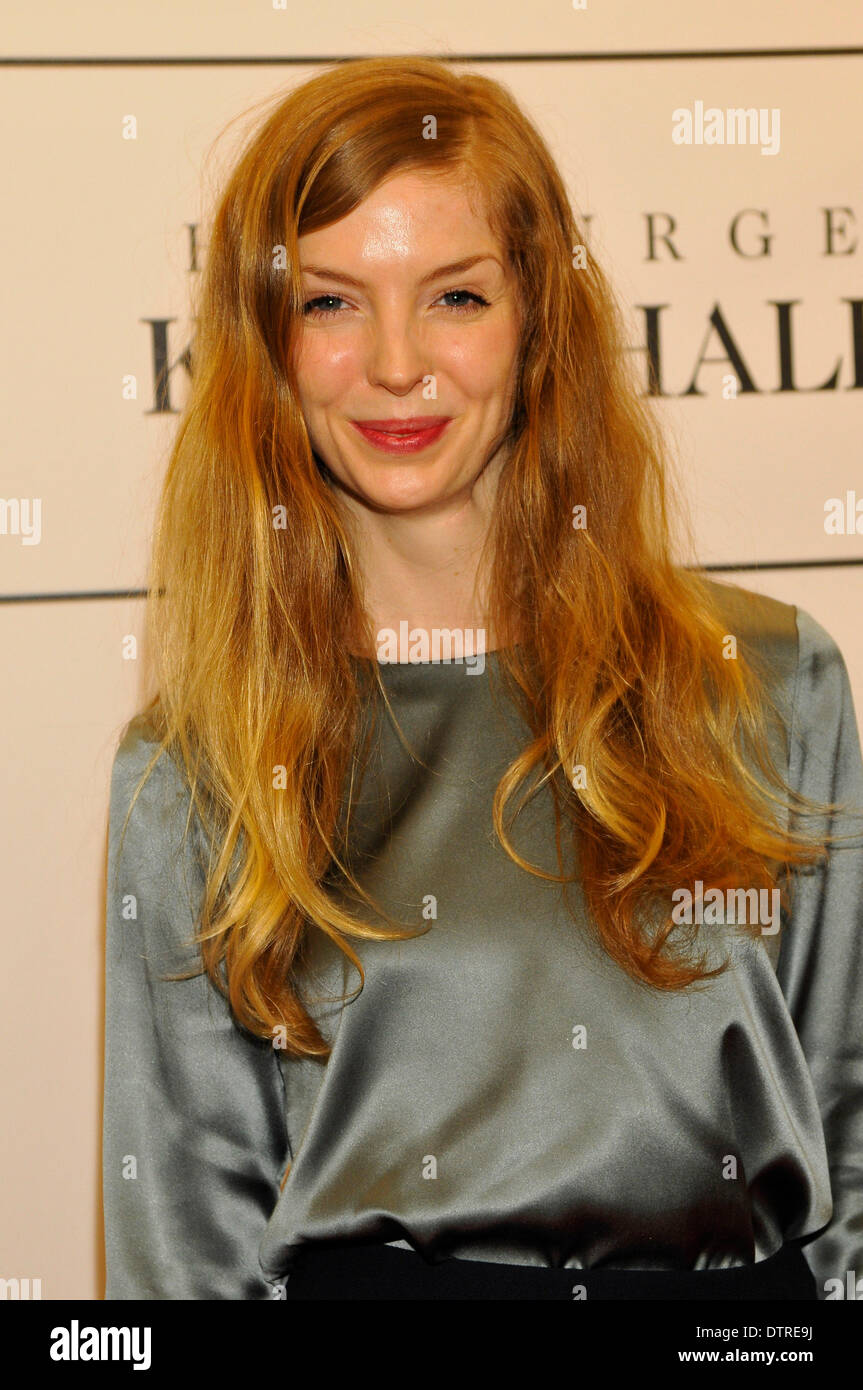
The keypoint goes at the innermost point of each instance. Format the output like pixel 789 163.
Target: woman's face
pixel 391 335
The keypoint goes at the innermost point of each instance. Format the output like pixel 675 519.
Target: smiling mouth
pixel 414 424
pixel 402 436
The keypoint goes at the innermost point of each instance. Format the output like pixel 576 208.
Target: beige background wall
pixel 96 245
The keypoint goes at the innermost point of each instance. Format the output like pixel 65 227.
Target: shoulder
pixel 138 745
pixel 150 789
pixel 807 677
pixel 794 645
pixel 762 622
pixel 819 654
pixel 780 629
pixel 157 858
pixel 825 734
pixel 766 632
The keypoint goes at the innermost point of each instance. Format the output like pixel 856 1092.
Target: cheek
pixel 326 368
pixel 481 362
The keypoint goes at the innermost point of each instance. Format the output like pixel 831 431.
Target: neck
pixel 423 567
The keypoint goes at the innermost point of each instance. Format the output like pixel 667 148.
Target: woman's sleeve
pixel 194 1139
pixel 820 966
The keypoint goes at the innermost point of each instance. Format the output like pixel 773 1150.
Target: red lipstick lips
pixel 403 436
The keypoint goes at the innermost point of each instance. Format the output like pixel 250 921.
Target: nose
pixel 396 359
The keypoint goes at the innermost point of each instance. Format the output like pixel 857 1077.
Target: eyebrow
pixel 454 268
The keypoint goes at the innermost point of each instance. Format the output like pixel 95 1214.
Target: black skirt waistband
pixel 385 1271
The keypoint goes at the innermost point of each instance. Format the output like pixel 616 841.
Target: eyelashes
pixel 311 309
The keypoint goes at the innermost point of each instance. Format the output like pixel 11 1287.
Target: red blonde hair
pixel 612 650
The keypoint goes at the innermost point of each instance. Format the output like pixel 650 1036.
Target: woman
pixel 465 939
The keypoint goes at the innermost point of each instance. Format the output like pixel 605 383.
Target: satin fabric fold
pixel 499 1090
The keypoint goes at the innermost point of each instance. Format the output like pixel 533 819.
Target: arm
pixel 820 967
pixel 194 1141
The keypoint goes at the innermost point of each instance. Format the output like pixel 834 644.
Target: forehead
pixel 409 216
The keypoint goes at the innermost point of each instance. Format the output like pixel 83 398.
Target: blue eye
pixel 478 302
pixel 309 309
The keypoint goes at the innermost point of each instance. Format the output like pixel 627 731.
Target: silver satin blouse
pixel 499 1089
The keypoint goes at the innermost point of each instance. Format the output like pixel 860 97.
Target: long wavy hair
pixel 612 651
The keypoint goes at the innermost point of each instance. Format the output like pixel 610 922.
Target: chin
pixel 400 502
pixel 392 491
